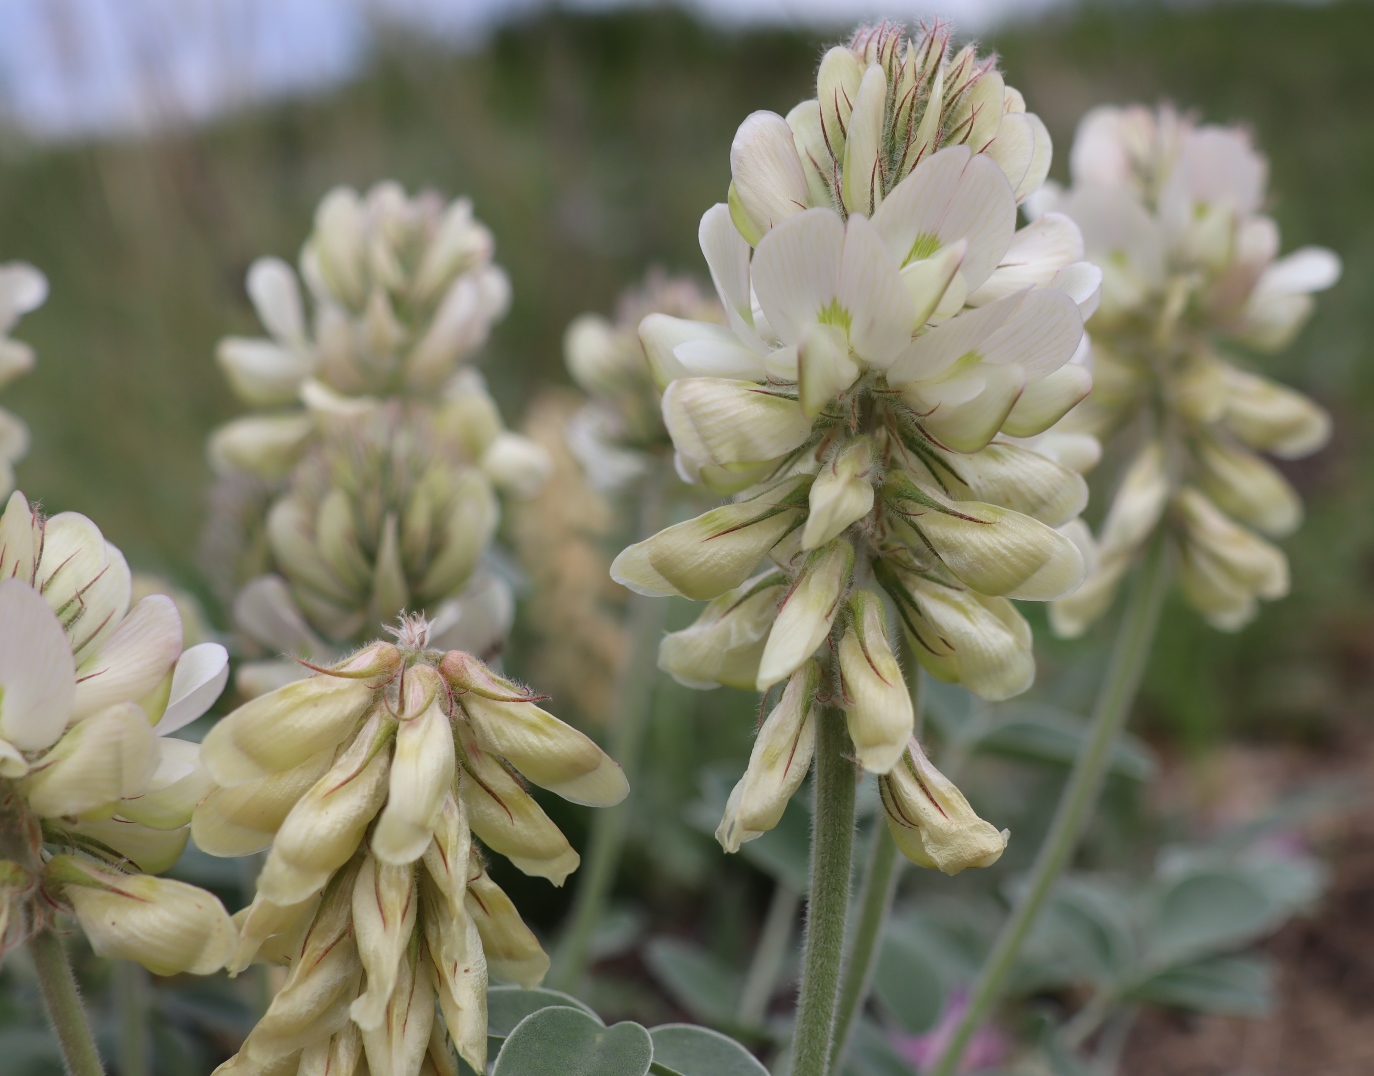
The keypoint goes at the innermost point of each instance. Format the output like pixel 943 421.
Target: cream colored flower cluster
pixel 891 336
pixel 96 795
pixel 620 430
pixel 22 289
pixel 1171 211
pixel 366 482
pixel 366 784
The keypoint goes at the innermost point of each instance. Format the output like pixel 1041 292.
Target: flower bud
pixel 778 763
pixel 326 826
pixel 995 551
pixel 1225 568
pixel 458 967
pixel 841 494
pixel 507 820
pixel 149 850
pixel 715 420
pixel 177 785
pixel 385 906
pixel 169 927
pixel 1272 418
pixel 422 771
pixel 399 1043
pixel 545 750
pixel 1244 486
pixel 966 638
pixel 108 757
pixel 1017 478
pixel 339 1055
pixel 725 643
pixel 513 953
pixel 241 820
pixel 516 463
pixel 807 612
pixel 446 858
pixel 931 821
pixel 264 445
pixel 768 184
pixel 881 717
pixel 715 552
pixel 285 728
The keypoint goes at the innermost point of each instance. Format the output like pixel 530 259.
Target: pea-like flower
pixel 1170 209
pixel 620 429
pixel 22 289
pixel 367 784
pixel 94 791
pixel 892 343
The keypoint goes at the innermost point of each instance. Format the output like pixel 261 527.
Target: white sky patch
pixel 75 68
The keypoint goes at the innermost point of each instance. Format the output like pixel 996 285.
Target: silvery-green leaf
pixel 563 1041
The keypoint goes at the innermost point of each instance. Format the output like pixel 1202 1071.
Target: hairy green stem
pixel 876 893
pixel 634 697
pixel 1130 655
pixel 63 1003
pixel 132 1000
pixel 762 980
pixel 832 852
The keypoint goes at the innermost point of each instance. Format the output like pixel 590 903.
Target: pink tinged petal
pixel 37 675
pixel 824 368
pixel 882 315
pixel 797 270
pixel 197 681
pixel 1040 336
pixel 934 352
pixel 766 170
pixel 727 256
pixel 863 184
pixel 276 295
pixel 132 661
pixel 1307 269
pixel 982 211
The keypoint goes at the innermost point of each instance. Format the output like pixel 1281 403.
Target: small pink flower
pixel 988 1046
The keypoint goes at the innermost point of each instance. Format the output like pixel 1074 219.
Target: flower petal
pixel 796 270
pixel 37 675
pixel 197 681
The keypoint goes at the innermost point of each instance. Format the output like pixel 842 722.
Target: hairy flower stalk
pixel 95 795
pixel 1170 209
pixel 367 784
pixel 892 339
pixel 365 481
pixel 22 289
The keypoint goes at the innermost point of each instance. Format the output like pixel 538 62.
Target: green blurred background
pixel 591 143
